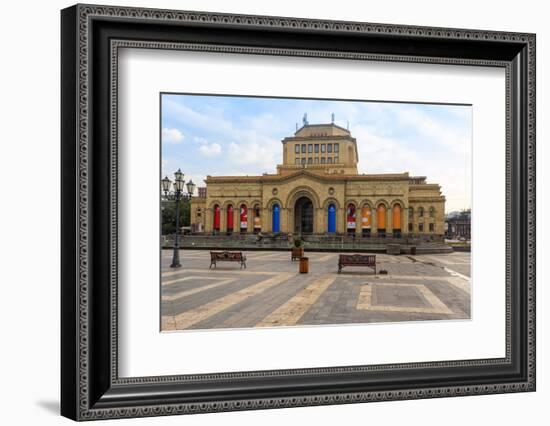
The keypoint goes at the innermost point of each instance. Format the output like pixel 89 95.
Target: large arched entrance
pixel 303 216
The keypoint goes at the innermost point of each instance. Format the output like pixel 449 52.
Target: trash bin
pixel 413 251
pixel 304 265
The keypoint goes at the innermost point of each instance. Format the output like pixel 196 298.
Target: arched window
pixel 331 218
pixel 244 218
pixel 366 219
pixel 396 220
pixel 351 215
pixel 216 218
pixel 230 215
pixel 257 219
pixel 420 212
pixel 381 220
pixel 432 212
pixel 275 220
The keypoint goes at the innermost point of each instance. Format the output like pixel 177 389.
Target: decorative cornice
pixel 424 186
pixel 304 172
pixel 439 199
pixel 318 138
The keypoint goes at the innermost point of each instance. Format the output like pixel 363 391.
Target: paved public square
pixel 271 292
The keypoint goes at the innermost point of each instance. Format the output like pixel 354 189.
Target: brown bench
pixel 227 256
pixel 357 260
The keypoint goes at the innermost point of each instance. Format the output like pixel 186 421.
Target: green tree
pixel 169 215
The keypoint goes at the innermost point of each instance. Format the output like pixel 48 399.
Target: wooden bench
pixel 357 260
pixel 227 256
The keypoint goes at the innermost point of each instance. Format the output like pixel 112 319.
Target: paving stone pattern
pixel 271 292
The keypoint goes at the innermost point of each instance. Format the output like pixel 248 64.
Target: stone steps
pixel 346 244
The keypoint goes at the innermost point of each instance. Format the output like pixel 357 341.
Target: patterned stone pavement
pixel 270 292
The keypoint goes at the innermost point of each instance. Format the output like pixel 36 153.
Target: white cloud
pixel 457 140
pixel 200 140
pixel 184 115
pixel 382 154
pixel 172 136
pixel 210 150
pixel 262 157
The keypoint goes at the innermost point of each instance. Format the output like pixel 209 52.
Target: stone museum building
pixel 318 190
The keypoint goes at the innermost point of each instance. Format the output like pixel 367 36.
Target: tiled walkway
pixel 270 292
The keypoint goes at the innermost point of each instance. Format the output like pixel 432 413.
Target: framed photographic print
pixel 263 212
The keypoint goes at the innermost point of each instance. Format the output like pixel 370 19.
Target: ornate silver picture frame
pixel 91 39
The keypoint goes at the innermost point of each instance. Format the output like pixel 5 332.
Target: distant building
pixel 317 190
pixel 458 225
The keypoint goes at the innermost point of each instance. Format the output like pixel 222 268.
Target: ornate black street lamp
pixel 177 195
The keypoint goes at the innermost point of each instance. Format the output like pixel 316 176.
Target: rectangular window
pixel 329 147
pixel 410 214
pixel 323 160
pixel 336 159
pixel 432 227
pixel 297 161
pixel 316 160
pixel 310 148
pixel 304 160
pixel 316 148
pixel 329 160
pixel 310 160
pixel 303 148
pixel 297 148
pixel 410 227
pixel 323 147
pixel 336 147
pixel 421 227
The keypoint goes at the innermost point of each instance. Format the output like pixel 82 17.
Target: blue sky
pixel 229 135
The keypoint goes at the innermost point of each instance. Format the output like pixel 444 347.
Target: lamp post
pixel 177 195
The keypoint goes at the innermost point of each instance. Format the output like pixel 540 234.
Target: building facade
pixel 459 225
pixel 318 190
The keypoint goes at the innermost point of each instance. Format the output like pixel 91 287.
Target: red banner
pixel 217 217
pixel 351 216
pixel 244 217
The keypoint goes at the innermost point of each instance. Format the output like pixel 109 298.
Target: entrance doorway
pixel 303 216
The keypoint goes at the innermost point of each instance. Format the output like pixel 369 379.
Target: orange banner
pixel 366 217
pixel 381 217
pixel 396 216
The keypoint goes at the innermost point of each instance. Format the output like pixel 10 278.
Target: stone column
pixel 208 220
pixel 237 219
pixel 250 220
pixel 267 220
pixel 374 222
pixel 341 220
pixel 223 220
pixel 318 221
pixel 324 219
pixel 285 220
